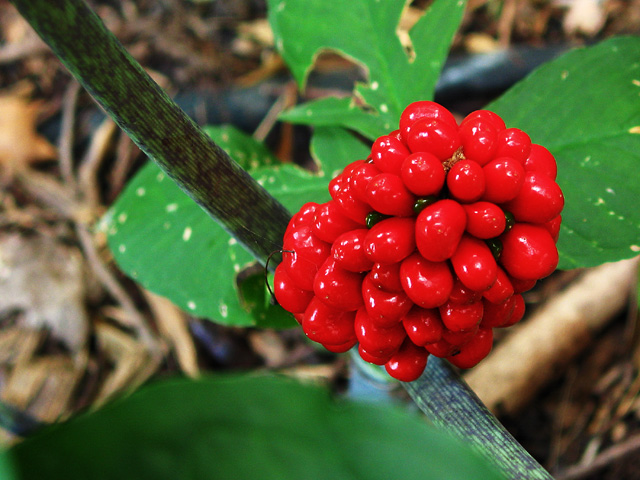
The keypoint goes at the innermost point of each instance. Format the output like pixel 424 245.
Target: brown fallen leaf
pixel 20 143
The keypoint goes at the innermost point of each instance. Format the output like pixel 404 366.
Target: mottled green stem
pixel 165 133
pixel 156 124
pixel 450 404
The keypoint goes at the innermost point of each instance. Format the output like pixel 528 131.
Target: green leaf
pixel 585 108
pixel 242 427
pixel 366 32
pixel 165 241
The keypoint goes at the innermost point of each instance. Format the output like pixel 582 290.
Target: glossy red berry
pixel 341 348
pixel 486 116
pixel 517 313
pixel 303 254
pixel 461 317
pixel 337 287
pixel 439 228
pixel 330 222
pixel 501 289
pixel 441 349
pixel 434 136
pixel 462 294
pixel 529 252
pixel 360 178
pixel 408 363
pixel 428 284
pixel 539 200
pixel 474 264
pixel 424 109
pixel 290 297
pixel 388 153
pixel 478 137
pixel 385 308
pixel 423 325
pixel 423 174
pixel 348 251
pixel 327 325
pixel 484 219
pixel 376 340
pixel 387 194
pixel 497 314
pixel 367 357
pixel 475 350
pixel 503 177
pixel 553 226
pixel 459 338
pixel 386 276
pixel 354 208
pixel 541 160
pixel 466 181
pixel 305 216
pixel 513 143
pixel 391 240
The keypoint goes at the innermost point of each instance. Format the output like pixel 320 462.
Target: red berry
pixel 434 136
pixel 501 290
pixel 497 314
pixel 458 339
pixel 357 210
pixel 388 153
pixel 360 178
pixel 439 228
pixel 385 308
pixel 290 297
pixel 478 137
pixel 474 351
pixel 408 363
pixel 424 109
pixel 441 349
pixel 517 314
pixel 327 325
pixel 466 181
pixel 553 226
pixel 462 294
pixel 423 325
pixel 529 252
pixel 337 287
pixel 387 194
pixel 336 184
pixel 487 116
pixel 484 219
pixel 348 251
pixel 330 222
pixel 541 160
pixel 428 284
pixel 376 340
pixel 513 143
pixel 391 240
pixel 423 173
pixel 540 199
pixel 367 357
pixel 503 177
pixel 303 254
pixel 461 317
pixel 520 285
pixel 305 216
pixel 474 264
pixel 341 348
pixel 386 277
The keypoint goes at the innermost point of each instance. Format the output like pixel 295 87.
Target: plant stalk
pixel 156 124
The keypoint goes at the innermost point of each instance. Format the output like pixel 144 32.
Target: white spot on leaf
pixel 384 108
pixel 122 217
pixel 191 305
pixel 141 191
pixel 122 248
pixel 635 248
pixel 224 310
pixel 232 241
pixel 172 207
pixel 186 235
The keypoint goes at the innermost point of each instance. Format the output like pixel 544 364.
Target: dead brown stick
pixel 607 457
pixel 554 334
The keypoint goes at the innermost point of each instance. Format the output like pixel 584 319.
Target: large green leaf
pixel 249 428
pixel 585 107
pixel 165 241
pixel 365 31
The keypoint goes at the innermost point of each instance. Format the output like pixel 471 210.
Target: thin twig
pixel 607 457
pixel 65 143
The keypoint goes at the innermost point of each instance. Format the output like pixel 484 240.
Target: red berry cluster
pixel 426 245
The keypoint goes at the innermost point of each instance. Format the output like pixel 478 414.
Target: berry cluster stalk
pixel 156 124
pixel 165 133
